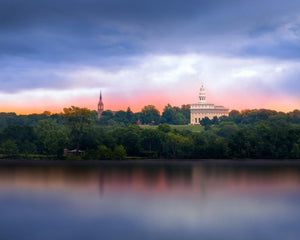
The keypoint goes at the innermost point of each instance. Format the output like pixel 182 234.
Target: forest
pixel 248 134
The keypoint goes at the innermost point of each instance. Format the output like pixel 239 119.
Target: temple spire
pixel 202 96
pixel 100 106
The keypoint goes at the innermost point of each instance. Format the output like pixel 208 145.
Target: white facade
pixel 202 109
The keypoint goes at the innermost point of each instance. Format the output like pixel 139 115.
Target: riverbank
pixel 25 162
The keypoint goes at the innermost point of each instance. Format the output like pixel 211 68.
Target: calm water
pixel 151 201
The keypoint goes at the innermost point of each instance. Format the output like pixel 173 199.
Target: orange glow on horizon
pixel 159 99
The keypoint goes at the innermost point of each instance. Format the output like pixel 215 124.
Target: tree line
pixel 246 134
pixel 148 115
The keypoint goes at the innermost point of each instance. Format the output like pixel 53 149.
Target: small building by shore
pixel 73 152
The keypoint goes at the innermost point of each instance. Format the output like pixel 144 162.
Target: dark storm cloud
pixel 80 30
pixel 39 36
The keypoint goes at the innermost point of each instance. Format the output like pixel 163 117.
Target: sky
pixel 58 53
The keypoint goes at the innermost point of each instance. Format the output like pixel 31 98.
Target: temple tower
pixel 202 97
pixel 100 106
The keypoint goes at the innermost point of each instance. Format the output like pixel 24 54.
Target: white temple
pixel 202 109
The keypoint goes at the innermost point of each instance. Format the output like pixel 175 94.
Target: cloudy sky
pixel 58 53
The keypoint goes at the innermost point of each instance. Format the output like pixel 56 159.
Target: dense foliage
pixel 148 115
pixel 247 134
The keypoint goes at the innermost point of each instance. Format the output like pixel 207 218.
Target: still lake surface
pixel 151 200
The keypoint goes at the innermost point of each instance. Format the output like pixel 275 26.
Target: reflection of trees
pixel 189 178
pixel 198 178
pixel 145 178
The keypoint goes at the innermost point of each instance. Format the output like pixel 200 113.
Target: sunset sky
pixel 58 53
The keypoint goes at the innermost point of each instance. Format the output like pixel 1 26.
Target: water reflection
pixel 155 178
pixel 151 201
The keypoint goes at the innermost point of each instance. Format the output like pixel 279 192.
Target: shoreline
pixel 26 162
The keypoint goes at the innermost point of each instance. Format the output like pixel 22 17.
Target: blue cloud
pixel 290 84
pixel 53 34
pixel 89 29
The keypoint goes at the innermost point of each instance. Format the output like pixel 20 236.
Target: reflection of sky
pixel 56 53
pixel 72 216
pixel 153 202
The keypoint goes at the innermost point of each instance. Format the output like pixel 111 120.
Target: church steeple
pixel 100 106
pixel 202 97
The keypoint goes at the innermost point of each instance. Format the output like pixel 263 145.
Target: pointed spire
pixel 100 106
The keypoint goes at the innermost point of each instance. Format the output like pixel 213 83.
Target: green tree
pixel 168 115
pixel 179 119
pixel 29 147
pixel 103 152
pixel 107 119
pixel 234 113
pixel 164 127
pixel 173 115
pixel 129 138
pixel 107 113
pixel 119 152
pixel 150 115
pixel 21 135
pixel 220 148
pixel 226 129
pixel 294 116
pixel 215 120
pixel 130 115
pixel 150 142
pixel 120 116
pixel 176 146
pixel 185 110
pixel 295 152
pixel 51 139
pixel 205 122
pixel 9 148
pixel 199 143
pixel 93 138
pixel 78 120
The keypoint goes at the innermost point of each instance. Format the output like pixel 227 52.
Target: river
pixel 150 200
